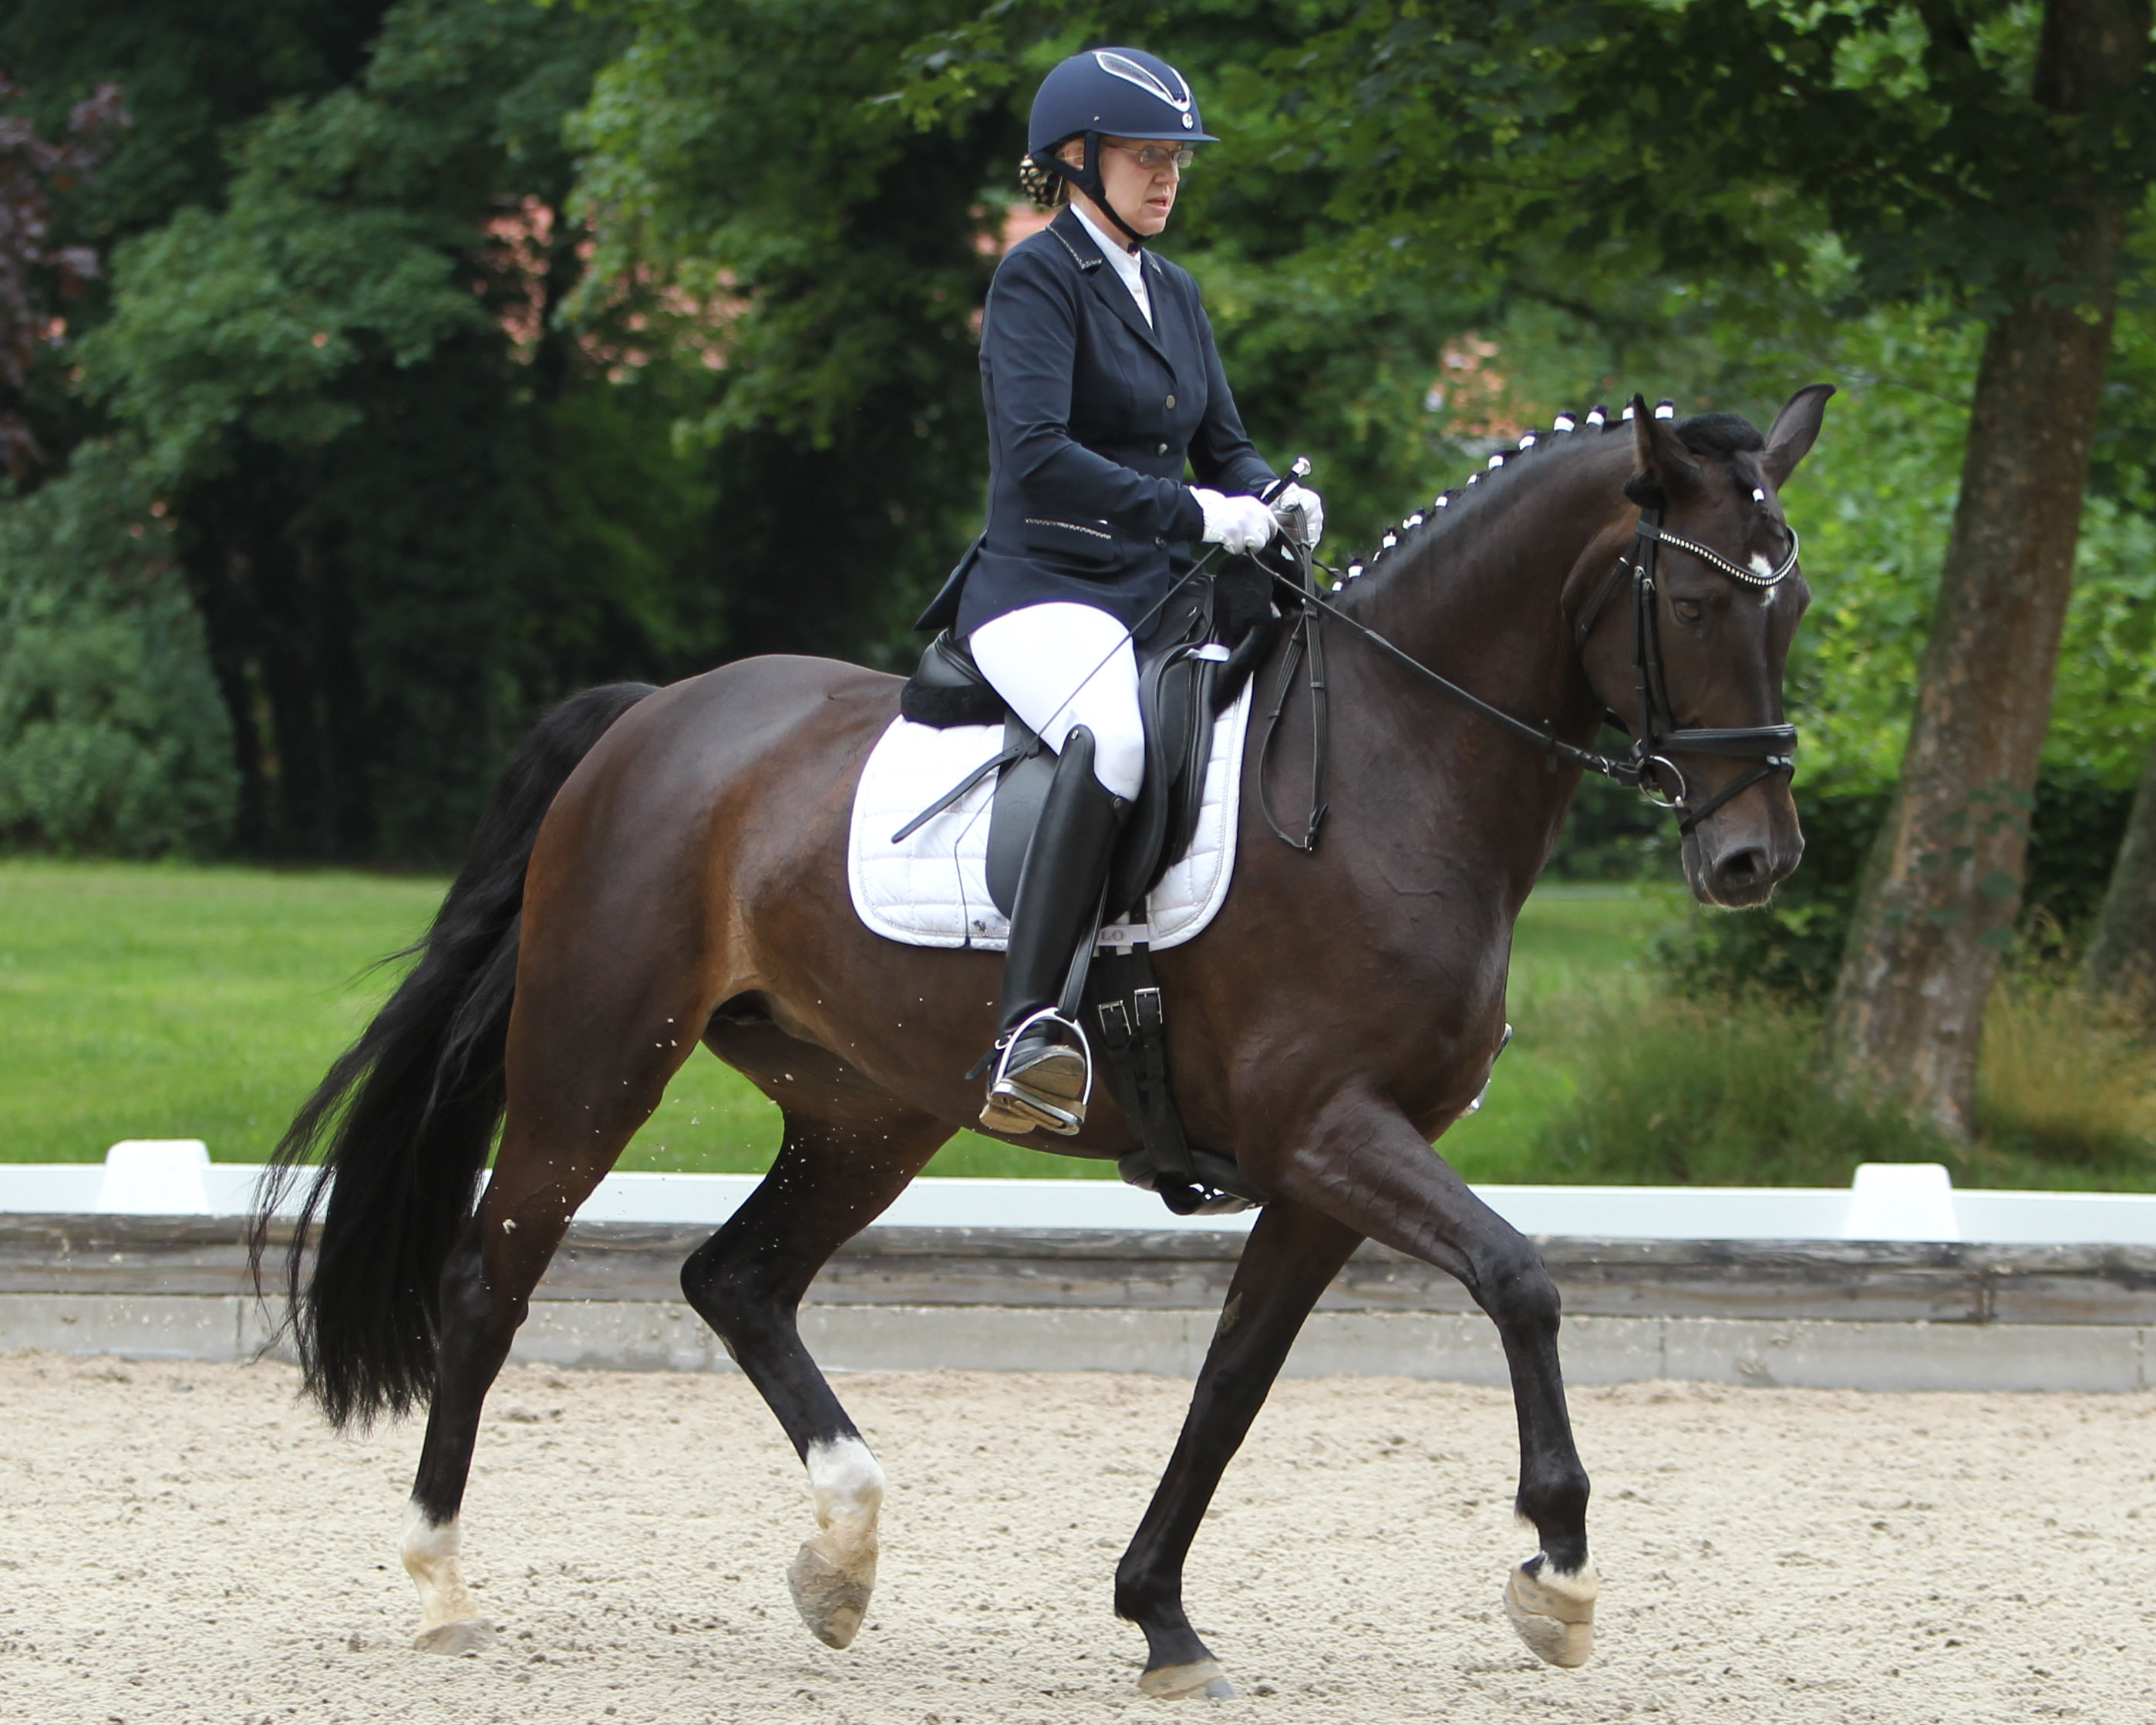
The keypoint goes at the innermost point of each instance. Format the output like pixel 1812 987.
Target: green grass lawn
pixel 169 1001
pixel 1572 944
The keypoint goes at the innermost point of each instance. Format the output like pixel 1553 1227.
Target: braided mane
pixel 1720 434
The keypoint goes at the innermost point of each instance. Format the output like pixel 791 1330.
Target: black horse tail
pixel 403 1123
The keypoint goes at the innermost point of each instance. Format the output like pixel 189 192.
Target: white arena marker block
pixel 1901 1200
pixel 154 1177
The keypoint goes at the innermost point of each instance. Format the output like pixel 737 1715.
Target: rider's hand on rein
pixel 1238 525
pixel 1301 511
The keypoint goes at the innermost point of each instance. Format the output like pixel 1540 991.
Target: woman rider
pixel 1101 383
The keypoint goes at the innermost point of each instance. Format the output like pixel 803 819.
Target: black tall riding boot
pixel 1038 1080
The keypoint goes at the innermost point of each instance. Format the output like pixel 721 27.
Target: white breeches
pixel 1063 665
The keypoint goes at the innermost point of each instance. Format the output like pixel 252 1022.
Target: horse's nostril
pixel 1744 867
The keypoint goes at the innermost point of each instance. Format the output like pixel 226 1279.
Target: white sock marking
pixel 848 1484
pixel 832 1575
pixel 429 1552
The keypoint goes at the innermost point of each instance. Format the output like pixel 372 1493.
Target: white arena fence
pixel 1898 1281
pixel 1887 1201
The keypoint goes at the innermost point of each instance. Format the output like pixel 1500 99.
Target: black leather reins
pixel 1656 737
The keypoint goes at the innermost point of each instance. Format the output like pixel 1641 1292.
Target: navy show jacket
pixel 1092 415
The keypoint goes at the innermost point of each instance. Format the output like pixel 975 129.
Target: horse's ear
pixel 1795 427
pixel 1666 469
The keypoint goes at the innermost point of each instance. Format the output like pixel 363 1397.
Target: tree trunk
pixel 2121 955
pixel 1943 883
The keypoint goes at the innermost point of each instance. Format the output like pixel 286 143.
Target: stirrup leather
pixel 1011 1107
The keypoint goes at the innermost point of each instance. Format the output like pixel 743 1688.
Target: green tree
pixel 345 376
pixel 734 152
pixel 1937 904
pixel 2122 954
pixel 190 71
pixel 112 738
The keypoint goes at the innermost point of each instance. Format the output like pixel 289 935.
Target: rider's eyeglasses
pixel 1153 157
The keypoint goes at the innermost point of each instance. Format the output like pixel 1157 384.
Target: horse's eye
pixel 1688 609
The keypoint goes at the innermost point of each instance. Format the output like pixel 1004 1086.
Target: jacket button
pixel 1171 401
pixel 1163 448
pixel 1158 540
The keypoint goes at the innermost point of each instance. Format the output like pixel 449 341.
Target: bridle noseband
pixel 1656 736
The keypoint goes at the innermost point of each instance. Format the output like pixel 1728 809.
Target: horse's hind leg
pixel 486 1289
pixel 830 1182
pixel 591 1049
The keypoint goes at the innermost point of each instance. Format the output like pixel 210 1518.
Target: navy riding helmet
pixel 1107 92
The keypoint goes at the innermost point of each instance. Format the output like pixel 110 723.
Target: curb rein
pixel 1654 739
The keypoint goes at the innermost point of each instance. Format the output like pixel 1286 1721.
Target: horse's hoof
pixel 1179 1682
pixel 1554 1613
pixel 475 1635
pixel 831 1600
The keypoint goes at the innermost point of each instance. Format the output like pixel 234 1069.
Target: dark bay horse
pixel 660 868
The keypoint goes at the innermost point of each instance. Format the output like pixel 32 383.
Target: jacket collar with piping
pixel 1086 252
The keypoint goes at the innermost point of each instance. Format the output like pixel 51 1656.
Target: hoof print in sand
pixel 473 1635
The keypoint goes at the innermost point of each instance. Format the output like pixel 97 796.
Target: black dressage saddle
pixel 1192 662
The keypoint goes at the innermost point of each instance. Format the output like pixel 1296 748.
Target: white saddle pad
pixel 932 890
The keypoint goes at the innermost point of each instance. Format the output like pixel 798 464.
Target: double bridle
pixel 1655 736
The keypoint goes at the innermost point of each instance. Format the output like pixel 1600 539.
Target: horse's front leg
pixel 1294 1252
pixel 1371 1170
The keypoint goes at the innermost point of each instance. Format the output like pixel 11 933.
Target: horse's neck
pixel 1482 605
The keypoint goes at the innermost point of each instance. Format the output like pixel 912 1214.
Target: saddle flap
pixel 1175 696
pixel 1176 688
pixel 1021 789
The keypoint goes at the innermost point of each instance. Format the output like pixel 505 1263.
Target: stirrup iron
pixel 1011 1107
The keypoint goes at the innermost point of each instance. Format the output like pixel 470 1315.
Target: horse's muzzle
pixel 1736 860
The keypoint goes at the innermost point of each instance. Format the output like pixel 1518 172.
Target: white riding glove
pixel 1313 511
pixel 1238 525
